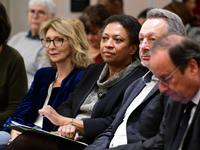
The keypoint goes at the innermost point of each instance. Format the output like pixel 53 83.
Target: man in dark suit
pixel 180 78
pixel 136 125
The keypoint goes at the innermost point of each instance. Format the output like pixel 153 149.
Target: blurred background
pixel 17 9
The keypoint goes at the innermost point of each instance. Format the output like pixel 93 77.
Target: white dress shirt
pixel 120 137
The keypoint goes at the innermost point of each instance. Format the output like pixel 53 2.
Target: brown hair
pixel 184 12
pixel 94 16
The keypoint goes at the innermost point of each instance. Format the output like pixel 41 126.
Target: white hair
pixel 49 4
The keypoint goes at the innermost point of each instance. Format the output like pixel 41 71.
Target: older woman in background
pixel 93 105
pixel 93 18
pixel 67 48
pixel 28 42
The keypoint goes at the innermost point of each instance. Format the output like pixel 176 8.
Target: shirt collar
pixel 196 98
pixel 37 37
pixel 147 77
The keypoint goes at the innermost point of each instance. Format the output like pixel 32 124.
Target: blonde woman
pixel 67 49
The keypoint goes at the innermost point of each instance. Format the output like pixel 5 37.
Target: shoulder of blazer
pixel 139 80
pixel 45 74
pixel 88 80
pixel 96 66
pixel 94 69
pixel 145 69
pixel 45 71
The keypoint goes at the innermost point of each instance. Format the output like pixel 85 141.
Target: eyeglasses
pixel 166 80
pixel 39 13
pixel 57 42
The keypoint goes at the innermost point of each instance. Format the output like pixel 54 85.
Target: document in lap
pixel 22 128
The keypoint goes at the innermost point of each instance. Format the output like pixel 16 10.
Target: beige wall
pixel 133 7
pixel 17 10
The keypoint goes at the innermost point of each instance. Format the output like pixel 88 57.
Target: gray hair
pixel 49 4
pixel 175 24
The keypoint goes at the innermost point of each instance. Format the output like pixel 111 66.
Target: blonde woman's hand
pixel 52 115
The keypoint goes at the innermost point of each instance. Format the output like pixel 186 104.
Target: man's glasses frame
pixel 166 80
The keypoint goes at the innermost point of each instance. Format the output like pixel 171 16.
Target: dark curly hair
pixel 94 16
pixel 131 25
pixel 5 25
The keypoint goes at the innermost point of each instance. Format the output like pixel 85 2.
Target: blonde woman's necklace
pixel 58 82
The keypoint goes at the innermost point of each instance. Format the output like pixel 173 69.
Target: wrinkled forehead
pixel 39 7
pixel 160 62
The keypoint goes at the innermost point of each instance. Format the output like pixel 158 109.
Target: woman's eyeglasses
pixel 57 42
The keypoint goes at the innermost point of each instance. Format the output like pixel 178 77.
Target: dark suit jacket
pixel 174 111
pixel 27 111
pixel 143 124
pixel 106 108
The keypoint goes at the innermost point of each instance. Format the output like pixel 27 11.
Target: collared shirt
pixel 195 100
pixel 120 137
pixel 39 120
pixel 37 37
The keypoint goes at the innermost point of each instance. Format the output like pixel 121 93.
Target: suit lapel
pixel 137 91
pixel 195 114
pixel 134 94
pixel 191 131
pixel 155 88
pixel 134 90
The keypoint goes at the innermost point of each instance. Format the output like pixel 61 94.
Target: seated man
pixel 180 78
pixel 136 125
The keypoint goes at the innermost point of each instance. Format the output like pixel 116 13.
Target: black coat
pixel 106 108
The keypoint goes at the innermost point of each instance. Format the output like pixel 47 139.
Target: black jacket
pixel 106 108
